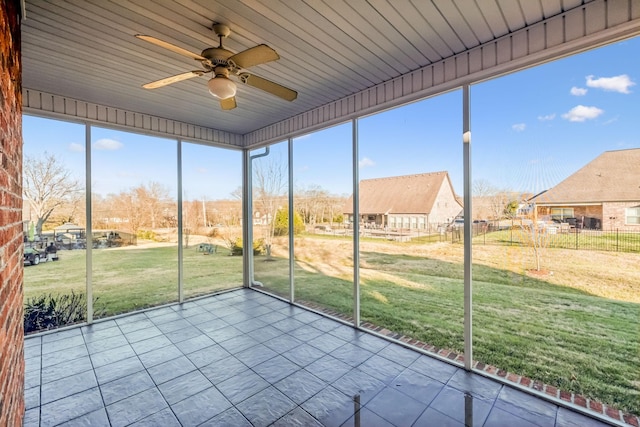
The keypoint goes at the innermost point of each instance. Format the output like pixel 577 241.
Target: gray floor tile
pixel 325 324
pixel 58 335
pixel 365 417
pixel 183 334
pixel 201 407
pixel 118 369
pixel 112 355
pixel 194 344
pixel 300 386
pixel 32 398
pixel 32 351
pixel 92 419
pixel 275 369
pixel 91 335
pixel 172 369
pixel 460 406
pixel 475 384
pixel 431 418
pixel 71 407
pixel 381 368
pixel 328 368
pixel 208 355
pixel 567 418
pixel 242 386
pixel 283 343
pixel 396 407
pixel 266 406
pixel 238 343
pixel 265 334
pixel 305 333
pixel 250 325
pixel 351 354
pixel 66 369
pixel 499 418
pixel 527 407
pixel 32 379
pixel 255 355
pixel 398 354
pixel 33 363
pixel 358 383
pixel 125 387
pixel 49 346
pixel 151 344
pixel 164 418
pixel 327 342
pixel 304 355
pixel 184 386
pixel 136 407
pixel 418 386
pixel 174 325
pixel 229 418
pixel 223 369
pixel 143 334
pixel 370 342
pixel 67 386
pixel 135 325
pixel 287 324
pixel 297 418
pixel 97 346
pixel 161 355
pixel 64 355
pixel 31 418
pixel 434 368
pixel 331 407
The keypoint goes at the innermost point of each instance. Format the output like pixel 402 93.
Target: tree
pixel 535 236
pixel 281 223
pixel 270 183
pixel 47 185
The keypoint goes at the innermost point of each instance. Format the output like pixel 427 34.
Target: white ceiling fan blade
pixel 229 103
pixel 170 46
pixel 269 86
pixel 173 79
pixel 255 56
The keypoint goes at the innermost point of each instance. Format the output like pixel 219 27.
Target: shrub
pixel 281 224
pixel 235 246
pixel 53 311
pixel 146 235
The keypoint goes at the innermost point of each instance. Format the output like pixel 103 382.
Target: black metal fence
pixel 595 240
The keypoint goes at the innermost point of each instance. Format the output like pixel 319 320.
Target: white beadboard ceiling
pixel 329 49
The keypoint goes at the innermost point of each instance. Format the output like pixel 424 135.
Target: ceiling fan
pixel 222 63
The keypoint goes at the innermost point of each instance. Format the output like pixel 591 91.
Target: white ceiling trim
pixel 592 25
pixel 56 106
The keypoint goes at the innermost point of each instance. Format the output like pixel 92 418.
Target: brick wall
pixel 615 216
pixel 11 323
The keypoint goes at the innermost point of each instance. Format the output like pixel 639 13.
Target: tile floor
pixel 243 358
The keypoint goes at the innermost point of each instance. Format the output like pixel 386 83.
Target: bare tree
pixel 47 185
pixel 536 236
pixel 270 183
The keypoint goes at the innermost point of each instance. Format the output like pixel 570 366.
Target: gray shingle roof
pixel 613 176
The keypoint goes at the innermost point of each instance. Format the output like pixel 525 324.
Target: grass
pixel 131 279
pixel 576 329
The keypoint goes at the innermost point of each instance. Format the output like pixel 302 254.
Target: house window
pixel 632 215
pixel 561 213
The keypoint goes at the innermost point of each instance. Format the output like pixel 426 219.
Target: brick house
pixel 603 195
pixel 408 202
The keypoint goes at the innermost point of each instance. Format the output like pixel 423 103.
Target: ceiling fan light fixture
pixel 221 87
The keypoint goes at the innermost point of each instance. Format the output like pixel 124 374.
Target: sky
pixel 530 130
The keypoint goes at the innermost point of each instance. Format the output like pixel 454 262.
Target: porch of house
pixel 245 358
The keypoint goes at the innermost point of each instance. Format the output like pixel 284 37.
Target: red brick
pixel 551 390
pixel 580 400
pixel 525 381
pixel 631 420
pixel 502 373
pixel 612 412
pixel 565 395
pixel 595 406
pixel 513 378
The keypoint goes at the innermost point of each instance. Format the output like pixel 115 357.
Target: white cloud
pixel 107 144
pixel 578 91
pixel 366 162
pixel 620 83
pixel 519 127
pixel 580 113
pixel 74 146
pixel 547 117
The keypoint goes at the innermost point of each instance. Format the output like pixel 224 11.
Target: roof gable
pixel 613 176
pixel 414 194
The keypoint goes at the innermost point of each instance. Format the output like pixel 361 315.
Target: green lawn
pixel 560 335
pixel 131 279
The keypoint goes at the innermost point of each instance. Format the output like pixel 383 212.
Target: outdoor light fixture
pixel 220 86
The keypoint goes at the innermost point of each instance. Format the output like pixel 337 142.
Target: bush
pixel 146 235
pixel 53 311
pixel 235 246
pixel 281 224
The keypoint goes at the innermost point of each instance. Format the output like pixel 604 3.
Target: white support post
pixel 466 146
pixel 88 228
pixel 356 225
pixel 180 224
pixel 291 224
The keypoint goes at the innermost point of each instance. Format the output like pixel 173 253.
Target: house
pixel 416 201
pixel 603 195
